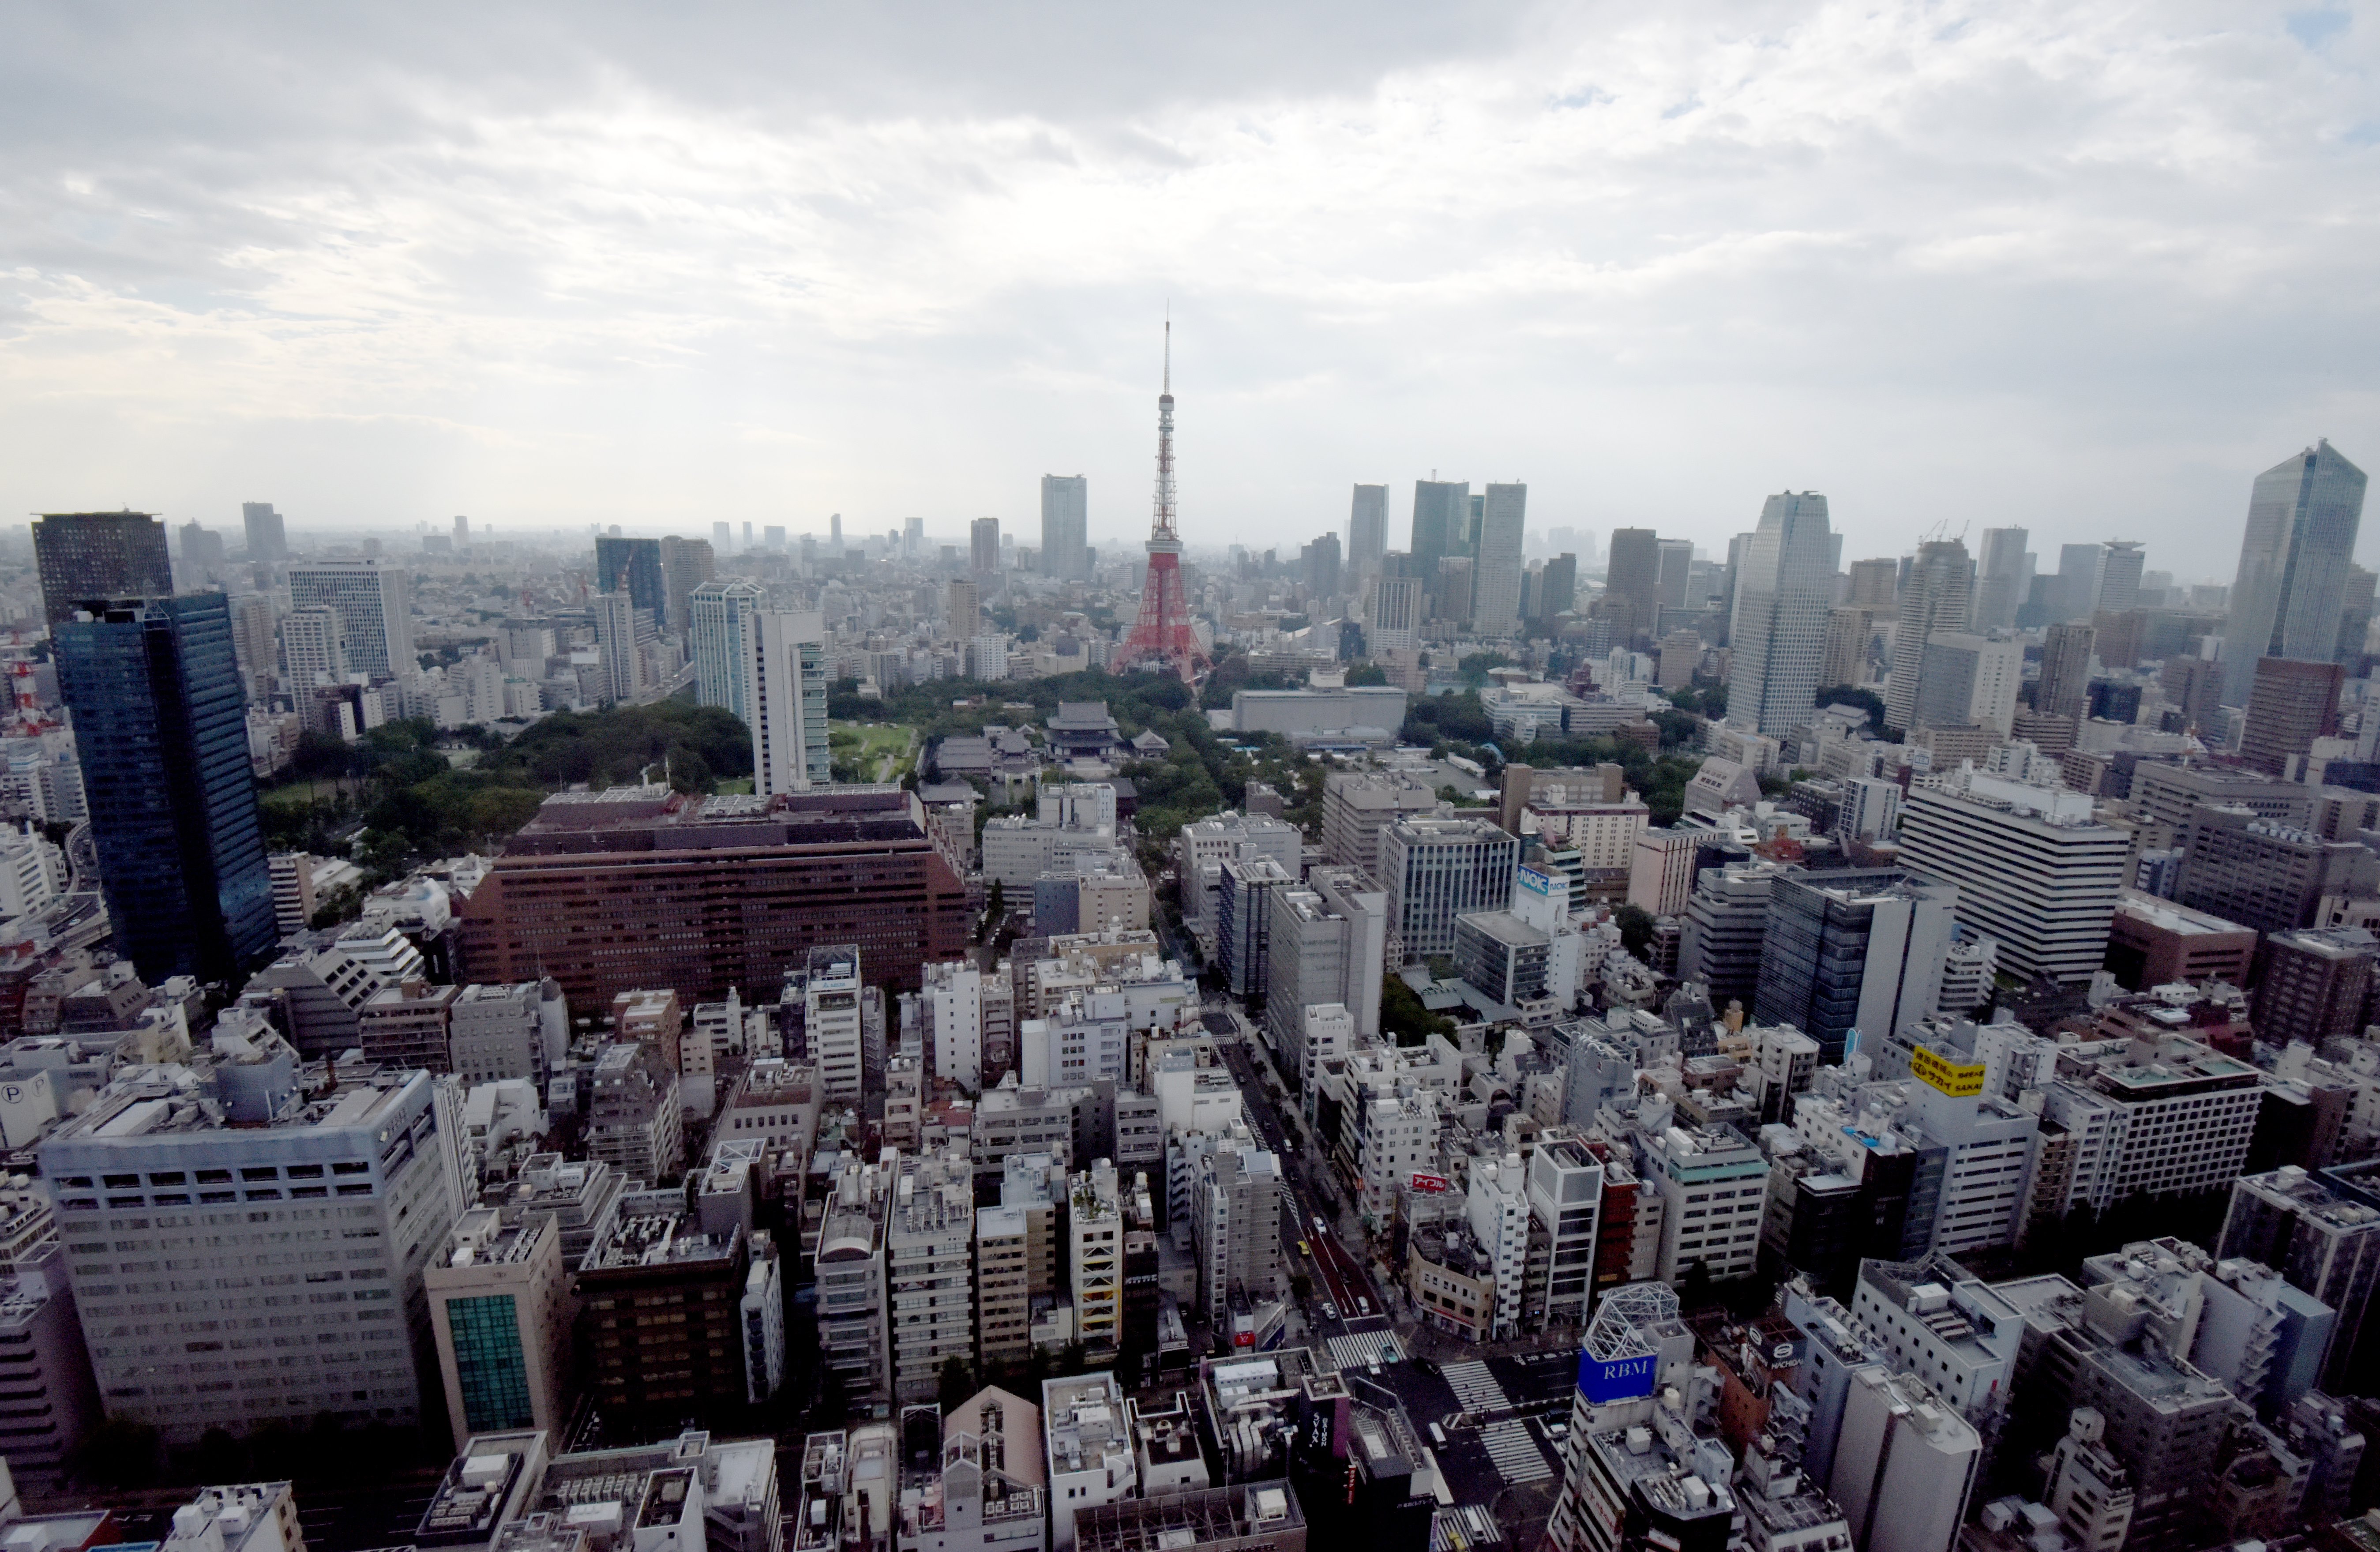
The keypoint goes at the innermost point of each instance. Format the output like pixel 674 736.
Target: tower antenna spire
pixel 1163 637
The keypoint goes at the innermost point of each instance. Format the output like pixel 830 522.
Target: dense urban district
pixel 848 1042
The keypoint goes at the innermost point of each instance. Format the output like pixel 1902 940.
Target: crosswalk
pixel 1514 1450
pixel 1474 1387
pixel 1365 1348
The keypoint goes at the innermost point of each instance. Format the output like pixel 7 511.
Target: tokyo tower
pixel 1162 636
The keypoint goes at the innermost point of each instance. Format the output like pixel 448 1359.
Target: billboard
pixel 1535 880
pixel 1960 1080
pixel 1431 1183
pixel 1616 1379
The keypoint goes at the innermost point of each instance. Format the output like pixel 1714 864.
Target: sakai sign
pixel 1960 1080
pixel 1615 1379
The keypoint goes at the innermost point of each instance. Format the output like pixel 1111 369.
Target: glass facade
pixel 490 1363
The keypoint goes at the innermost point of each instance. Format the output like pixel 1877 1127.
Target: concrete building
pixel 1712 1181
pixel 1904 1466
pixel 2316 984
pixel 1934 597
pixel 2155 942
pixel 2263 874
pixel 664 1318
pixel 1236 1225
pixel 500 1309
pixel 834 1023
pixel 2165 1117
pixel 1784 593
pixel 928 1269
pixel 1661 870
pixel 51 1402
pixel 633 1119
pixel 516 1031
pixel 1246 1517
pixel 1439 870
pixel 1243 922
pixel 2034 872
pixel 375 609
pixel 2323 1239
pixel 1327 942
pixel 1727 921
pixel 1003 1292
pixel 1088 1448
pixel 1853 950
pixel 2290 704
pixel 786 680
pixel 1969 681
pixel 854 1341
pixel 983 1488
pixel 1095 1255
pixel 250 1172
pixel 406 1026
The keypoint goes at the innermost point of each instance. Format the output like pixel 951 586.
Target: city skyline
pixel 1711 258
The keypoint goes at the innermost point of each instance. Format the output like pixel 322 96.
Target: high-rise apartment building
pixel 1396 615
pixel 962 609
pixel 162 726
pixel 618 649
pixel 721 626
pixel 500 1309
pixel 375 605
pixel 1496 585
pixel 87 556
pixel 2289 593
pixel 1852 950
pixel 2290 704
pixel 2034 871
pixel 268 541
pixel 207 1210
pixel 1367 530
pixel 2003 576
pixel 1437 870
pixel 1065 527
pixel 834 1022
pixel 2316 982
pixel 929 1272
pixel 1934 599
pixel 632 567
pixel 313 650
pixel 686 564
pixel 1784 593
pixel 1849 635
pixel 786 680
pixel 983 547
pixel 2065 684
pixel 1632 582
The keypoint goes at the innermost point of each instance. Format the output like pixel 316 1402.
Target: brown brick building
pixel 612 891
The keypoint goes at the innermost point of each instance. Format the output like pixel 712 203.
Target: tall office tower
pixel 1558 588
pixel 111 555
pixel 375 605
pixel 2287 596
pixel 1451 595
pixel 1860 950
pixel 2034 871
pixel 1874 585
pixel 1935 600
pixel 1367 529
pixel 500 1309
pixel 1395 624
pixel 622 657
pixel 253 639
pixel 1850 634
pixel 313 650
pixel 632 567
pixel 913 537
pixel 2003 573
pixel 686 564
pixel 1785 590
pixel 2119 576
pixel 268 539
pixel 1727 920
pixel 2314 985
pixel 2322 1238
pixel 1676 566
pixel 722 541
pixel 202 556
pixel 747 535
pixel 983 547
pixel 1969 681
pixel 2290 704
pixel 786 678
pixel 834 534
pixel 1065 527
pixel 2065 684
pixel 1326 941
pixel 386 1150
pixel 2355 615
pixel 1496 578
pixel 2195 686
pixel 1442 513
pixel 1319 560
pixel 1633 579
pixel 719 629
pixel 963 610
pixel 462 533
pixel 162 726
pixel 1435 870
pixel 2076 592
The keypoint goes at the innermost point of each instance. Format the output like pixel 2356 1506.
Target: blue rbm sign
pixel 1615 1379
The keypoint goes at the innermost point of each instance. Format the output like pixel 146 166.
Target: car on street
pixel 1329 1310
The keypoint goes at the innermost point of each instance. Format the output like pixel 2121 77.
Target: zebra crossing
pixel 1365 1348
pixel 1514 1450
pixel 1474 1387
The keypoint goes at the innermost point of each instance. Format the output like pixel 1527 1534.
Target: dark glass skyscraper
pixel 99 555
pixel 1442 525
pixel 632 567
pixel 161 726
pixel 2291 585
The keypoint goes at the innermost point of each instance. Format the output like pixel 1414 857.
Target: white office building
pixel 375 609
pixel 786 680
pixel 2035 872
pixel 721 628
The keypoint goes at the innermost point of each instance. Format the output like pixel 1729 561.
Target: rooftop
pixel 658 1240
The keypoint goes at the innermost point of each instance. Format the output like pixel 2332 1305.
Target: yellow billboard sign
pixel 1960 1080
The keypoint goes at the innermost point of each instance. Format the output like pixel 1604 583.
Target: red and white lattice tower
pixel 1162 637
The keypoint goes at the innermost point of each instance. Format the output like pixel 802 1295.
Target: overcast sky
pixel 2085 268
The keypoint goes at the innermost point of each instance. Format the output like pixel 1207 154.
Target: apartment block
pixel 929 1261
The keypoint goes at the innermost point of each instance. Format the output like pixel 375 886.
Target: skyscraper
pixel 1874 587
pixel 268 541
pixel 1396 615
pixel 1367 529
pixel 1966 680
pixel 983 546
pixel 1677 572
pixel 1935 600
pixel 632 567
pixel 2287 598
pixel 1558 588
pixel 686 564
pixel 722 539
pixel 87 555
pixel 202 556
pixel 1321 560
pixel 1441 514
pixel 2064 680
pixel 1066 524
pixel 2119 576
pixel 616 645
pixel 161 726
pixel 375 605
pixel 1852 948
pixel 719 630
pixel 1496 579
pixel 2003 573
pixel 787 685
pixel 1631 583
pixel 2077 591
pixel 1785 589
pixel 2291 705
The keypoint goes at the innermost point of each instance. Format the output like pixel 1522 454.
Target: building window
pixel 490 1363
